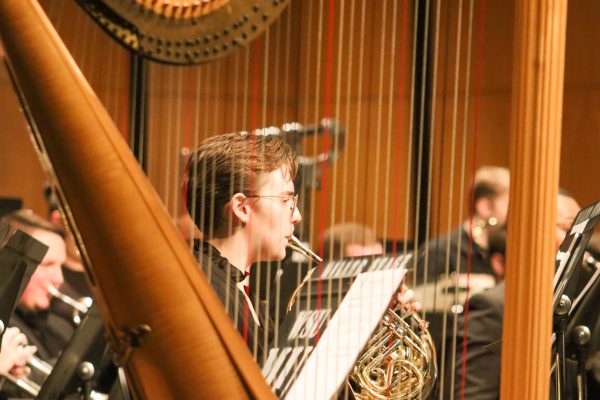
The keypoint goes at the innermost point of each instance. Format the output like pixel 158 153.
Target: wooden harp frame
pixel 145 280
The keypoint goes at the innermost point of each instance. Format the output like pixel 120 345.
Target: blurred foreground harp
pixel 132 265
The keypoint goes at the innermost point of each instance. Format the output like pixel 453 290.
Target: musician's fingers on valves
pixel 15 353
pixel 406 298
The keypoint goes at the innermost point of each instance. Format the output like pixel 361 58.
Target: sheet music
pixel 346 335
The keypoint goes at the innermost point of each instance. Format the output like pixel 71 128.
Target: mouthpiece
pixel 296 245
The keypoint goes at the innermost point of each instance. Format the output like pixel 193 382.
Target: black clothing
pixel 436 257
pixel 76 287
pixel 435 261
pixel 49 333
pixel 224 277
pixel 484 326
pixel 483 364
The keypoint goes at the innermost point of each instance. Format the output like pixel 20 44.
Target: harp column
pixel 534 164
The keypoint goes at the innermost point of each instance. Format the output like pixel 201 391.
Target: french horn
pixel 399 361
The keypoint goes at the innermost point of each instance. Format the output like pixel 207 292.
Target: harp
pixel 525 165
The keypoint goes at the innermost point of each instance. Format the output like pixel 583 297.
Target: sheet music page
pixel 346 335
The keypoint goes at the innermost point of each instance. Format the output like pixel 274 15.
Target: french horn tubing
pixel 399 360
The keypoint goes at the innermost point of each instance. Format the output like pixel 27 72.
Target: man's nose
pixel 57 277
pixel 296 216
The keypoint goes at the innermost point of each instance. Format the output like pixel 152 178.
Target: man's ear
pixel 240 208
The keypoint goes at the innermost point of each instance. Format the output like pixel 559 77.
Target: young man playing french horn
pixel 240 194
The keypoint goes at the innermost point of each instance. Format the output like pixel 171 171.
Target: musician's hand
pixel 15 353
pixel 406 299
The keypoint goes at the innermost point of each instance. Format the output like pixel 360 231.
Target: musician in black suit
pixel 240 193
pixel 484 323
pixel 490 206
pixel 47 332
pixel 31 315
pixel 484 326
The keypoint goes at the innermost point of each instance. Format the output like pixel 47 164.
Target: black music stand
pixel 20 254
pixel 10 204
pixel 83 364
pixel 571 305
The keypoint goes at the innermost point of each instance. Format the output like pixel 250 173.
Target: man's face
pixel 36 295
pixel 273 218
pixel 566 211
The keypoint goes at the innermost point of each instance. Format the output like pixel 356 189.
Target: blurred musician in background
pixel 48 333
pixel 490 206
pixel 440 292
pixel 350 240
pixel 14 354
pixel 484 323
pixel 75 283
pixel 43 330
pixel 240 193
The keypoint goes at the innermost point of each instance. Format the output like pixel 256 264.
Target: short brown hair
pixel 490 182
pixel 337 237
pixel 26 221
pixel 227 164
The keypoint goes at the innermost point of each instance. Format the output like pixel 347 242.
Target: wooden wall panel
pixel 580 161
pixel 472 117
pixel 20 172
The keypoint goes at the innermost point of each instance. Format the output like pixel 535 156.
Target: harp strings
pixel 433 126
pixel 421 130
pixel 449 225
pixel 258 82
pixel 359 96
pixel 379 122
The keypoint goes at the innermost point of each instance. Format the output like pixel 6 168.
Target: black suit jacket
pixel 484 326
pixel 223 278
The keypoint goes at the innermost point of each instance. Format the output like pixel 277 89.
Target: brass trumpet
pixel 32 389
pixel 80 307
pixel 25 383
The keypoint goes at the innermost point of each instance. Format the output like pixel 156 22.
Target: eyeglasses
pixel 290 201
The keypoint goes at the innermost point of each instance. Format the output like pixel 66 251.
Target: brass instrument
pixel 399 361
pixel 80 306
pixel 24 383
pixel 43 369
pixel 296 245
